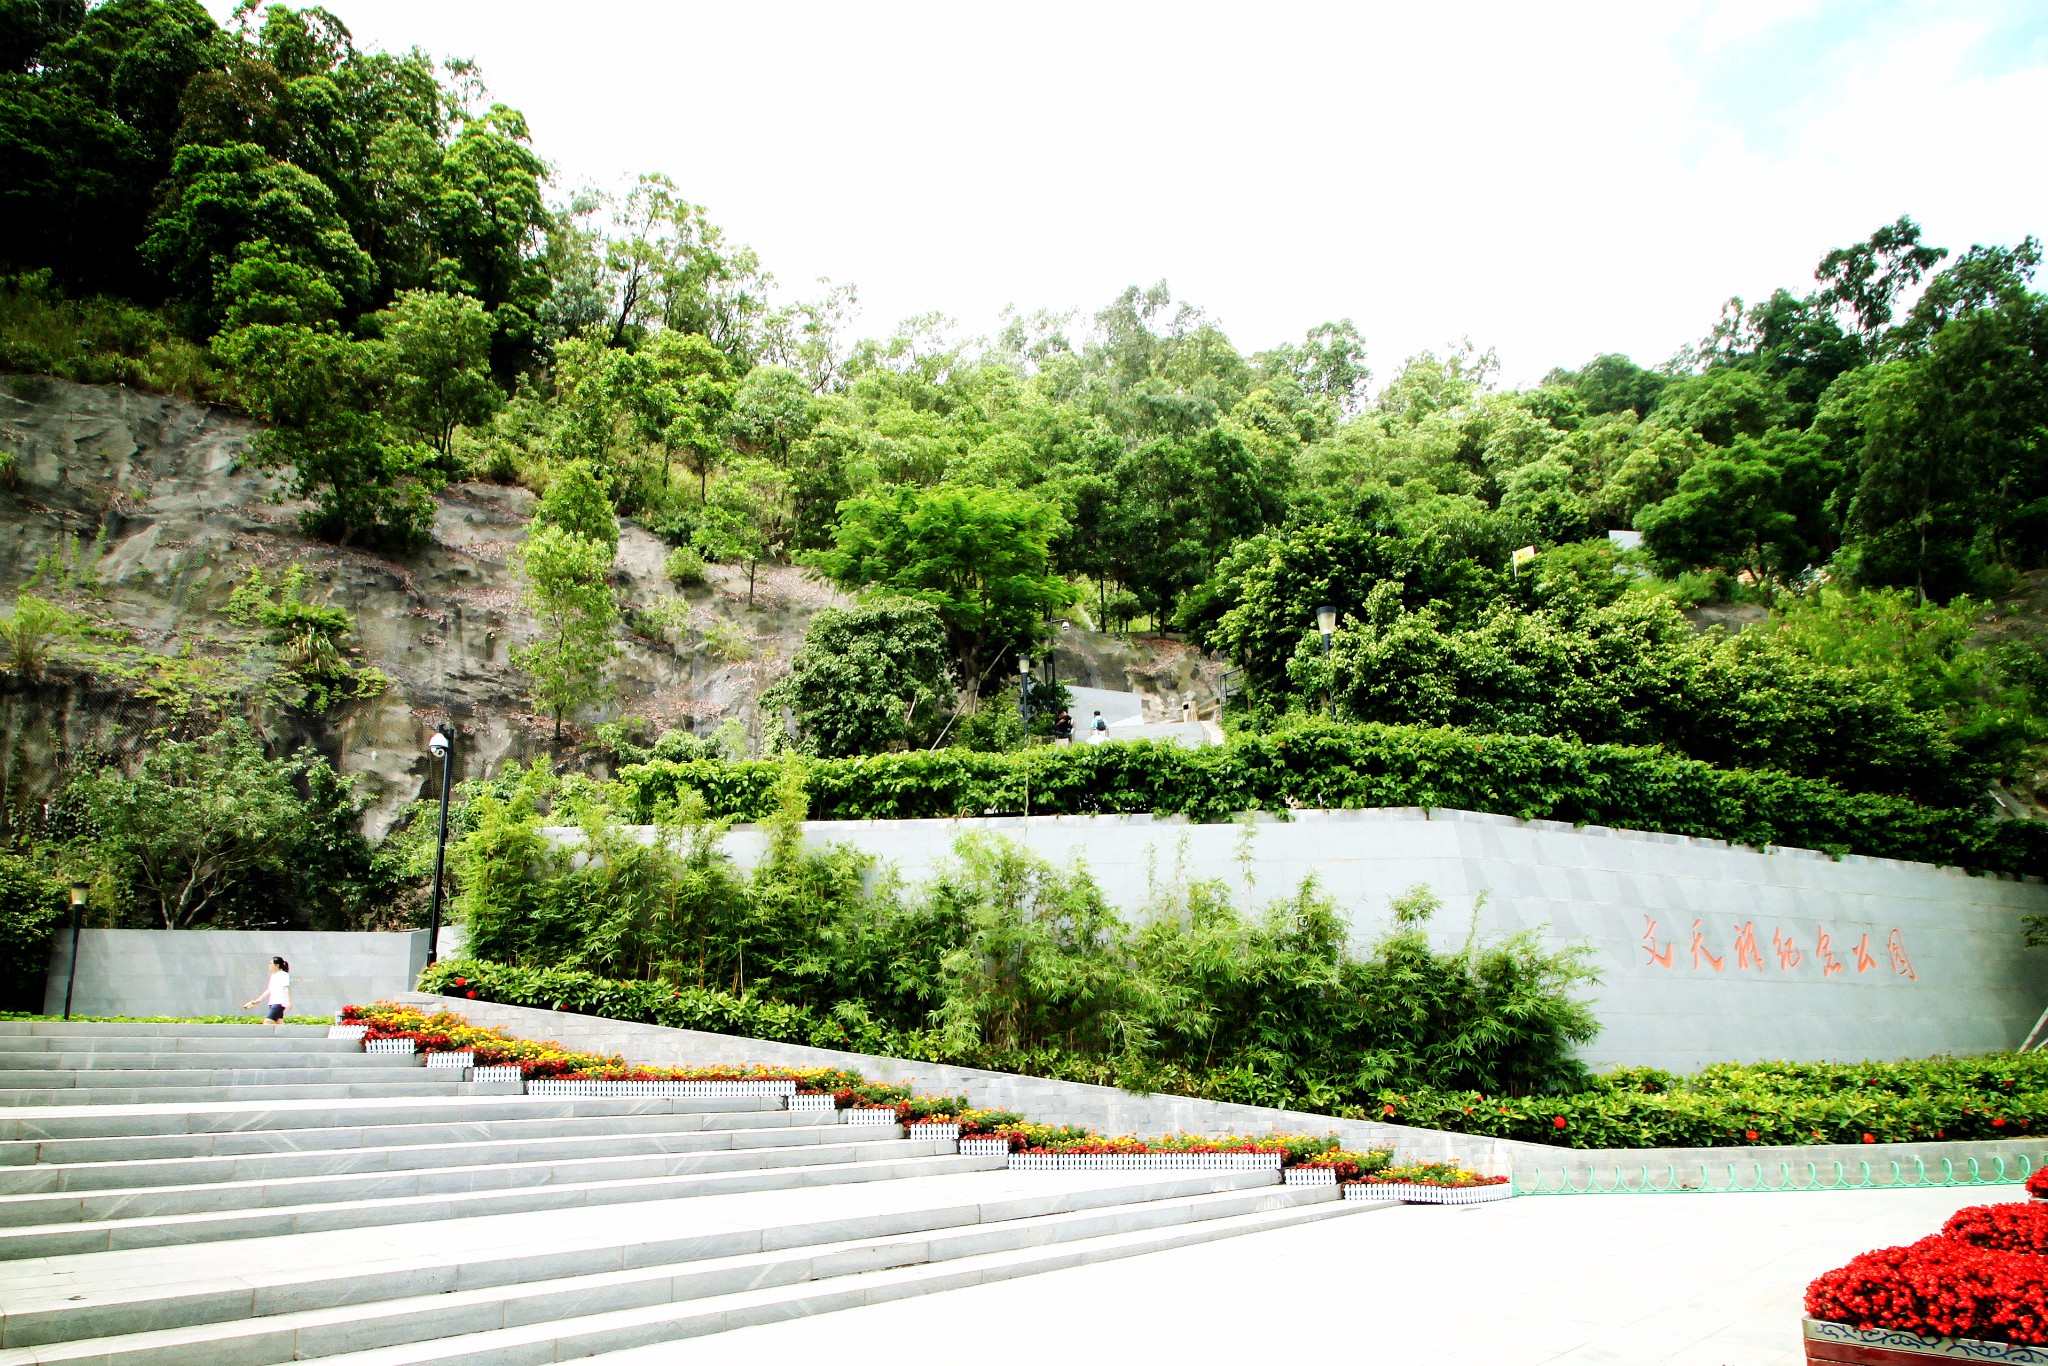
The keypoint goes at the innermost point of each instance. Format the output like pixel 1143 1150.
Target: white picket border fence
pixel 1309 1176
pixel 939 1132
pixel 869 1114
pixel 399 1048
pixel 813 1104
pixel 674 1090
pixel 1412 1193
pixel 1144 1162
pixel 462 1059
pixel 503 1072
pixel 353 1033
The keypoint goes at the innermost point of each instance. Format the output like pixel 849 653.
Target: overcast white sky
pixel 1551 180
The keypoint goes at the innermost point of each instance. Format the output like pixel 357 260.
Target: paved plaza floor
pixel 1608 1280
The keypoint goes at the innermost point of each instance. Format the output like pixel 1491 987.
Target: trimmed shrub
pixel 1321 765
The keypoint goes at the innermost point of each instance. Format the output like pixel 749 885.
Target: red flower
pixel 1557 1122
pixel 471 995
pixel 1947 1286
pixel 462 981
pixel 1386 1109
pixel 1870 1138
pixel 1749 1134
pixel 1998 1123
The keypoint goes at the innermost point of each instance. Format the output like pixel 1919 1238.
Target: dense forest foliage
pixel 366 252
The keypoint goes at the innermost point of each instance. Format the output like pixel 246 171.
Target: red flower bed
pixel 1939 1287
pixel 2001 1228
pixel 2037 1184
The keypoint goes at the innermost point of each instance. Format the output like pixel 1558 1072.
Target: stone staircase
pixel 231 1195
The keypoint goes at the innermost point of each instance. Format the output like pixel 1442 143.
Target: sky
pixel 1551 181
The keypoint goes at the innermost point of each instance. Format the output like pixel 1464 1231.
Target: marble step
pixel 35 1064
pixel 51 1178
pixel 252 1041
pixel 176 1029
pixel 323 1313
pixel 622 1331
pixel 135 1150
pixel 268 1111
pixel 908 1158
pixel 421 1083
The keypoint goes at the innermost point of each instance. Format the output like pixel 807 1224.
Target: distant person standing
pixel 1063 729
pixel 278 991
pixel 1098 730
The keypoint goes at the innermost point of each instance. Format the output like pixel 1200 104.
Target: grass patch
pixel 99 341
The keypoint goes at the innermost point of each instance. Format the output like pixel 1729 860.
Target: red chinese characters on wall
pixel 1661 952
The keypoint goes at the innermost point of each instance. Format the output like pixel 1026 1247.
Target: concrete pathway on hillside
pixel 1632 1280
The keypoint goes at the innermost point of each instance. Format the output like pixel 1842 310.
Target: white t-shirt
pixel 279 992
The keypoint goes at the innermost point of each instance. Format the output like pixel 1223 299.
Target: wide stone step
pixel 909 1158
pixel 427 1085
pixel 212 1060
pixel 94 1206
pixel 315 1311
pixel 133 1151
pixel 252 1041
pixel 268 1111
pixel 131 1078
pixel 177 1029
pixel 50 1178
pixel 651 1327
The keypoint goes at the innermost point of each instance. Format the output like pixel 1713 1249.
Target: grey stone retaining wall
pixel 211 972
pixel 1707 952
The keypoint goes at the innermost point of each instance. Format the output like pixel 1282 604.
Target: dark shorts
pixel 273 1013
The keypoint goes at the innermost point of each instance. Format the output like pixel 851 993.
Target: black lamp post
pixel 1326 622
pixel 77 911
pixel 442 746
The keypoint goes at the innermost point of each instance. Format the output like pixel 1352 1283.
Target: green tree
pixel 746 520
pixel 440 355
pixel 325 395
pixel 201 823
pixel 1951 442
pixel 219 198
pixel 1766 507
pixel 867 679
pixel 568 590
pixel 1867 279
pixel 89 115
pixel 575 502
pixel 979 556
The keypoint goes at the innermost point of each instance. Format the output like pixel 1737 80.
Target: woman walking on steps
pixel 278 992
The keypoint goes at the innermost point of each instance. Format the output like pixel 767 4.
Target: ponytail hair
pixel 281 965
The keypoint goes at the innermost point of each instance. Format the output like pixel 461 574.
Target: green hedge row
pixel 655 1003
pixel 1331 766
pixel 1732 1105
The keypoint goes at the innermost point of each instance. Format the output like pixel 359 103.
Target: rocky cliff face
pixel 144 513
pixel 155 500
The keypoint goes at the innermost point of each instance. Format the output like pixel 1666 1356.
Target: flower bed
pixel 2037 1184
pixel 391 1027
pixel 1983 1278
